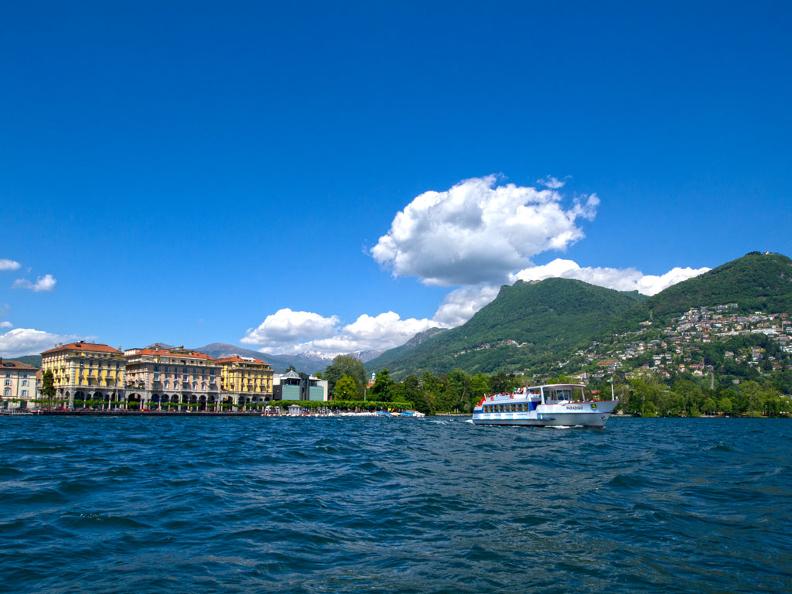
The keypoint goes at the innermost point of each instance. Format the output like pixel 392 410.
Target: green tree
pixel 503 382
pixel 48 387
pixel 725 405
pixel 709 406
pixel 346 365
pixel 346 388
pixel 480 385
pixel 411 390
pixel 382 389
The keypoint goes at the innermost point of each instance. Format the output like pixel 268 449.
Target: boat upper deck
pixel 543 393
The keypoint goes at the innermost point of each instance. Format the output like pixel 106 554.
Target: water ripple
pixel 382 505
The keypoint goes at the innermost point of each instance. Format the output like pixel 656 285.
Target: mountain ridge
pixel 536 325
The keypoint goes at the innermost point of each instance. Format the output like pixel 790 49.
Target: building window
pixel 24 382
pixel 7 392
pixel 24 393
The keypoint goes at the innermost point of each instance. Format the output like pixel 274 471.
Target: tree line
pixel 458 391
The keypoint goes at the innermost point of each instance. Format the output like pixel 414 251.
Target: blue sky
pixel 184 172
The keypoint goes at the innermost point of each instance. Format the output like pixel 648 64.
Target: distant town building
pixel 18 385
pixel 173 379
pixel 86 374
pixel 293 386
pixel 249 379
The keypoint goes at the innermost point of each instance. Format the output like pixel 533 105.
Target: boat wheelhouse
pixel 549 405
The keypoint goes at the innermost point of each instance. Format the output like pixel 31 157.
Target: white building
pixel 18 385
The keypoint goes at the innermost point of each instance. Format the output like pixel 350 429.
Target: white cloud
pixel 475 235
pixel 621 279
pixel 42 283
pixel 289 332
pixel 479 232
pixel 6 325
pixel 551 182
pixel 652 285
pixel 461 304
pixel 286 327
pixel 28 341
pixel 385 330
pixel 9 264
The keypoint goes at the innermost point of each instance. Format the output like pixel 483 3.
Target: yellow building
pixel 246 378
pixel 86 374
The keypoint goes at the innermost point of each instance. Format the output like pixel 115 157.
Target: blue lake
pixel 383 505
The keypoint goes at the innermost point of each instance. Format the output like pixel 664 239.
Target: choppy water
pixel 422 505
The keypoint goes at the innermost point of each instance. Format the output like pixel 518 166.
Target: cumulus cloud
pixel 6 325
pixel 476 235
pixel 311 332
pixel 287 327
pixel 479 232
pixel 29 341
pixel 621 279
pixel 42 283
pixel 461 304
pixel 651 284
pixel 6 264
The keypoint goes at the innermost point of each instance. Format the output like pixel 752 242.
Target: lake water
pixel 382 505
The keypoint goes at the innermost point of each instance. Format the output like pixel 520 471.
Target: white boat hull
pixel 561 415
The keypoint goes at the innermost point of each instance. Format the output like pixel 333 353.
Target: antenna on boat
pixel 613 397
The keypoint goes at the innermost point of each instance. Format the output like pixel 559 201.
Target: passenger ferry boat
pixel 551 405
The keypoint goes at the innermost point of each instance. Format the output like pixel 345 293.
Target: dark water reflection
pixel 430 505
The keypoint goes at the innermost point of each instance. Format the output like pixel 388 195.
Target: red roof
pixel 175 354
pixel 16 365
pixel 238 359
pixel 83 346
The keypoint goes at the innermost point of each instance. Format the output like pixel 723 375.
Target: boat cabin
pixel 528 398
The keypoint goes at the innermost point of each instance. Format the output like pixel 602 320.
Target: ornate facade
pixel 172 379
pixel 246 379
pixel 156 378
pixel 86 374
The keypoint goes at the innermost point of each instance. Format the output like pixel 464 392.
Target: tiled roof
pixel 16 365
pixel 174 354
pixel 238 359
pixel 83 346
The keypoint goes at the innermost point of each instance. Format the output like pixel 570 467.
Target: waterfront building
pixel 86 374
pixel 245 379
pixel 173 379
pixel 18 385
pixel 293 386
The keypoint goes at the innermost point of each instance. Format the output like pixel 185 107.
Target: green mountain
pixel 526 324
pixel 32 360
pixel 537 326
pixel 387 359
pixel 756 282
